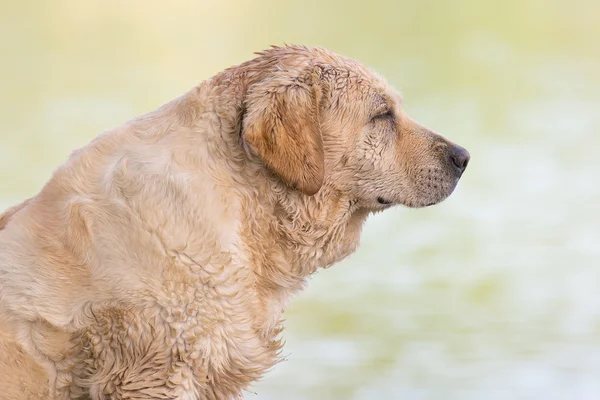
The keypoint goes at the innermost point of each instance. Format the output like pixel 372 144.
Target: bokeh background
pixel 494 294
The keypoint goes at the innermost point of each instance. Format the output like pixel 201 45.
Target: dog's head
pixel 318 119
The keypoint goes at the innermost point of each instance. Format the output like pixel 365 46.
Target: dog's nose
pixel 460 158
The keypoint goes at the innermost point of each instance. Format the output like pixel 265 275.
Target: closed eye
pixel 388 115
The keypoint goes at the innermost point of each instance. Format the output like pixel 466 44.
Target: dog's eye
pixel 388 115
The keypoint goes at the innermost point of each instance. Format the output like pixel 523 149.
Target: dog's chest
pixel 216 325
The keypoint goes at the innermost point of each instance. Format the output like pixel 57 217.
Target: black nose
pixel 460 158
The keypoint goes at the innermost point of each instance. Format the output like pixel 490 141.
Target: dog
pixel 157 261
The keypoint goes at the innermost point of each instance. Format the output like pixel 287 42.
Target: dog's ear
pixel 282 127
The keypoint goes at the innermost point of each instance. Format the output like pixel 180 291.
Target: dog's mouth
pixel 385 203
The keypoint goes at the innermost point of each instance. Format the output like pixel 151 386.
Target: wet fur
pixel 156 262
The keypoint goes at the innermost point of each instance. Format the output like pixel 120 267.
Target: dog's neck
pixel 291 235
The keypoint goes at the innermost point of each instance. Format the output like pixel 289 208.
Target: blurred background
pixel 493 294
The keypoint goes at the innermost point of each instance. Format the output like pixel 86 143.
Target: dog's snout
pixel 460 157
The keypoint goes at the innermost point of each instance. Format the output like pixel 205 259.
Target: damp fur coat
pixel 157 261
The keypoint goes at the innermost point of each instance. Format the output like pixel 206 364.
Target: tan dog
pixel 157 261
